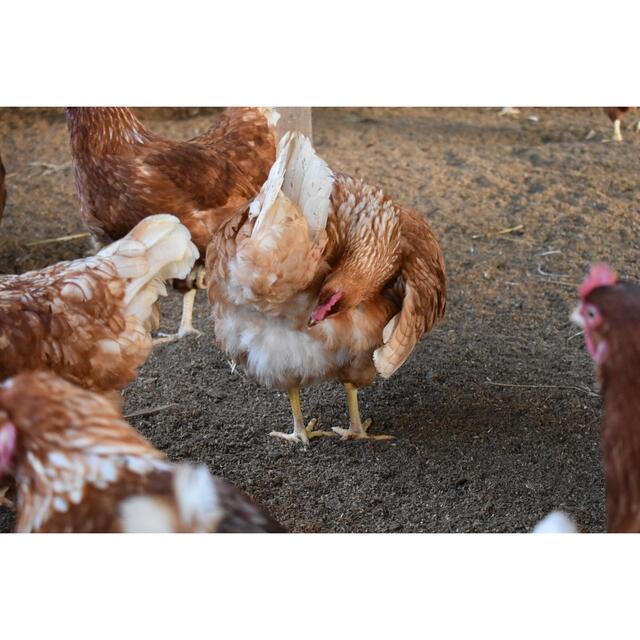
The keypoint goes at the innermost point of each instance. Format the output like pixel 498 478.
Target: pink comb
pixel 601 275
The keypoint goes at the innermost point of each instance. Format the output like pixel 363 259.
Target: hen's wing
pixel 424 293
pixel 201 181
pixel 246 136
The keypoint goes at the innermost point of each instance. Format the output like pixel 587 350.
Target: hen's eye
pixel 591 312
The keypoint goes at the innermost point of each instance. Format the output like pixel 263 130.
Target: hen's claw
pixel 360 433
pixel 166 338
pixel 302 435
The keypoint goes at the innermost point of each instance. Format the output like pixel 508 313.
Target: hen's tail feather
pixel 303 177
pixel 158 249
pixel 425 296
pixel 285 249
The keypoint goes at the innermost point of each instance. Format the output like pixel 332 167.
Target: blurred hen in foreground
pixel 124 173
pixel 79 467
pixel 323 277
pixel 609 313
pixel 90 320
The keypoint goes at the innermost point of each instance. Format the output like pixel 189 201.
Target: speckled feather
pixel 79 467
pixel 90 319
pixel 125 172
pixel 384 259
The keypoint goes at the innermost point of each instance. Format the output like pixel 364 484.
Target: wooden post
pixel 294 119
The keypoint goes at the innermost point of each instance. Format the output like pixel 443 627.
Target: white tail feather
pixel 157 249
pixel 303 177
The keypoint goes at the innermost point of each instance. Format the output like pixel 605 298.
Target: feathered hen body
pixel 124 173
pixel 79 467
pixel 324 277
pixel 609 313
pixel 90 320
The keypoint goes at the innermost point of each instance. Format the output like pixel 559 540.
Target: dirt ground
pixel 496 414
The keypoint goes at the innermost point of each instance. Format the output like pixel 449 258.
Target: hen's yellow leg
pixel 357 430
pixel 186 322
pixel 300 432
pixel 617 135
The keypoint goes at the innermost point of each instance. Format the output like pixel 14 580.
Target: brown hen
pixel 124 173
pixel 323 277
pixel 79 467
pixel 90 320
pixel 609 313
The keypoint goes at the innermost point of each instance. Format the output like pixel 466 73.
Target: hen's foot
pixel 360 432
pixel 358 429
pixel 186 323
pixel 166 338
pixel 302 434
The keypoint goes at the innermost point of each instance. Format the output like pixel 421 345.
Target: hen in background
pixel 609 313
pixel 323 277
pixel 79 467
pixel 615 115
pixel 124 173
pixel 90 320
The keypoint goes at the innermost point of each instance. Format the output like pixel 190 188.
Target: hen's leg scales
pixel 357 430
pixel 301 433
pixel 617 136
pixel 186 322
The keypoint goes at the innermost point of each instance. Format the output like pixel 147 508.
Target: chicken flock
pixel 311 276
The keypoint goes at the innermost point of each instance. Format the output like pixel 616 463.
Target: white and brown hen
pixel 90 320
pixel 322 277
pixel 79 467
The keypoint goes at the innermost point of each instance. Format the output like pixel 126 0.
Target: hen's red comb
pixel 601 275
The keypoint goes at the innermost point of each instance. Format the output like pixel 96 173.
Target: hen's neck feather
pixel 105 129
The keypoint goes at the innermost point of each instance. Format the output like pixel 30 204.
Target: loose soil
pixel 496 414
